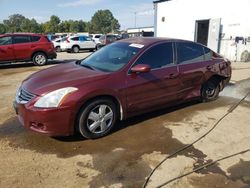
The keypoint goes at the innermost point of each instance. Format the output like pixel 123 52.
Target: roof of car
pixel 149 40
pixel 11 34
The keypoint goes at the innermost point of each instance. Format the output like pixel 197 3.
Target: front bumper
pixel 52 122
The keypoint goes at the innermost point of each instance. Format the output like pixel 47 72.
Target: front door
pixel 146 91
pixel 6 49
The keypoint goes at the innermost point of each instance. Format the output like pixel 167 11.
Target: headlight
pixel 54 98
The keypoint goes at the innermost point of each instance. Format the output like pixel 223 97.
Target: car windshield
pixel 111 58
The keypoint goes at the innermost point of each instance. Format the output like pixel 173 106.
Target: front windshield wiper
pixel 88 66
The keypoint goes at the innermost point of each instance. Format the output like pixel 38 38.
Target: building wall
pixel 181 15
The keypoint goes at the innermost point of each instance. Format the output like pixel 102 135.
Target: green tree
pixel 3 28
pixel 103 21
pixel 52 26
pixel 14 22
pixel 30 26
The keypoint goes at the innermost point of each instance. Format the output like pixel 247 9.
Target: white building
pixel 222 25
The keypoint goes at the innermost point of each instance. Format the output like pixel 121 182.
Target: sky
pixel 126 11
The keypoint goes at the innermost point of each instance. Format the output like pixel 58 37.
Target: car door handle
pixel 171 76
pixel 209 67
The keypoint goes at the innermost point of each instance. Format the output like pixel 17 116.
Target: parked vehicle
pixel 26 47
pixel 106 39
pixel 95 38
pixel 57 44
pixel 124 79
pixel 76 43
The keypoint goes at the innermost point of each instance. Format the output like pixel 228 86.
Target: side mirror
pixel 141 68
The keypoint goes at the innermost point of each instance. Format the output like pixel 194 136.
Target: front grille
pixel 23 96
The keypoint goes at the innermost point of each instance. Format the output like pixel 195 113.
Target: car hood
pixel 60 76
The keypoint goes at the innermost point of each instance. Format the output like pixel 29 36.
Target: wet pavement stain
pixel 135 137
pixel 215 181
pixel 240 171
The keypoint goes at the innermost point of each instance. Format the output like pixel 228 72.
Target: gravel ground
pixel 127 156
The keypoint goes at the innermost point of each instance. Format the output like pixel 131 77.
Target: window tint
pixel 75 38
pixel 188 52
pixel 102 37
pixel 35 38
pixel 21 39
pixel 157 56
pixel 5 41
pixel 208 54
pixel 97 36
pixel 88 39
pixel 112 57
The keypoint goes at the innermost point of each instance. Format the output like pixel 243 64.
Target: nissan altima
pixel 121 80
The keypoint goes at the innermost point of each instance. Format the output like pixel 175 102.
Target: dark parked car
pixel 106 39
pixel 124 79
pixel 26 47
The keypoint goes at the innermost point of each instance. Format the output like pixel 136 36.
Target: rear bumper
pixel 52 55
pixel 51 122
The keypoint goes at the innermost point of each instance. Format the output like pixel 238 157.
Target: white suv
pixel 96 37
pixel 77 43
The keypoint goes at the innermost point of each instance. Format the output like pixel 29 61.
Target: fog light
pixel 40 126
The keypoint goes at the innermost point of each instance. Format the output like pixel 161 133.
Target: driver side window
pixel 157 56
pixel 5 41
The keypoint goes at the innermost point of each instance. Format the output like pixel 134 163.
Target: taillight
pixel 67 40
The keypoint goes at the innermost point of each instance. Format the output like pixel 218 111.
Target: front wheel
pixel 75 49
pixel 210 91
pixel 97 118
pixel 39 59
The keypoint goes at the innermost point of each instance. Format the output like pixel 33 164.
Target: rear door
pixel 22 47
pixel 158 87
pixel 86 42
pixel 6 49
pixel 190 59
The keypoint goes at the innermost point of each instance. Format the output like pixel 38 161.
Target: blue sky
pixel 41 10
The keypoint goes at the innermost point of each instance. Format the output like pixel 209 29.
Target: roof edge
pixel 160 1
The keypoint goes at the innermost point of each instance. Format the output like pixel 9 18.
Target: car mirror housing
pixel 141 68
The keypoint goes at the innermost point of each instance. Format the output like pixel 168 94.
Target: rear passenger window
pixel 88 39
pixel 5 41
pixel 82 38
pixel 188 52
pixel 158 56
pixel 21 39
pixel 35 38
pixel 208 54
pixel 75 38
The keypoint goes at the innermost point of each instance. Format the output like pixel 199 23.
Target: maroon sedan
pixel 123 79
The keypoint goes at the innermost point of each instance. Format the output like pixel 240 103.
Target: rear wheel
pixel 75 49
pixel 210 91
pixel 97 118
pixel 58 49
pixel 39 59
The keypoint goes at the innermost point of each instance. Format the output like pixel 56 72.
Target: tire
pixel 97 118
pixel 98 47
pixel 92 50
pixel 39 59
pixel 245 56
pixel 58 49
pixel 75 49
pixel 210 91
